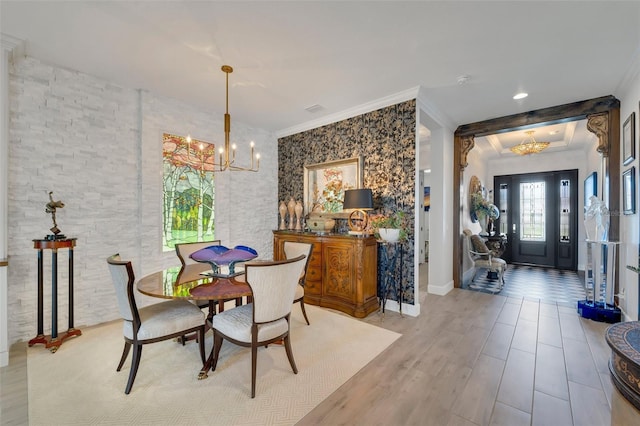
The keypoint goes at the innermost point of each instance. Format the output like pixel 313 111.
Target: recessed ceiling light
pixel 520 95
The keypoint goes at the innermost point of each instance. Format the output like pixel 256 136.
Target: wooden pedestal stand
pixel 53 341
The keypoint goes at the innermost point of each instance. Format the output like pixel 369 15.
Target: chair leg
pixel 201 343
pixel 287 346
pixel 304 312
pixel 125 352
pixel 135 362
pixel 217 343
pixel 254 356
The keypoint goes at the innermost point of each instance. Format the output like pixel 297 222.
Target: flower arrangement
pixel 395 220
pixel 483 208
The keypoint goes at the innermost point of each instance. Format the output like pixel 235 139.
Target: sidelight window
pixel 565 209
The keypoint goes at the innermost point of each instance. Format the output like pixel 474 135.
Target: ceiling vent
pixel 314 108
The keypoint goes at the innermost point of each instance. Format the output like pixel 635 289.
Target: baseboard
pixel 440 290
pixel 411 310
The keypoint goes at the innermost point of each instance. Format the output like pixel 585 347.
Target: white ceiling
pixel 289 55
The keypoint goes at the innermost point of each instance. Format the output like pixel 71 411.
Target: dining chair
pixel 267 318
pixel 154 323
pixel 184 250
pixel 293 249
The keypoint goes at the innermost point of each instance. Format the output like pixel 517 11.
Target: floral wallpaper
pixel 385 138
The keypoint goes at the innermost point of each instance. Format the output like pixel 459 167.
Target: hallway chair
pixel 293 249
pixel 154 323
pixel 483 258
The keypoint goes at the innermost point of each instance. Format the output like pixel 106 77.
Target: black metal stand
pixel 391 273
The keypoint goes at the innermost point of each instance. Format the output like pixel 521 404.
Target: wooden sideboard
pixel 342 272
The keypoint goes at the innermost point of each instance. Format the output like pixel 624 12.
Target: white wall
pixel 629 226
pixel 97 146
pixel 476 166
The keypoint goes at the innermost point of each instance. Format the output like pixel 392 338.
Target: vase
pixel 390 235
pixel 283 212
pixel 291 207
pixel 483 221
pixel 298 211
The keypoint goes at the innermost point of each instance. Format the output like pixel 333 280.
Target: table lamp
pixel 358 200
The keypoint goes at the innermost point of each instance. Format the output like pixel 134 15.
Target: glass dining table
pixel 195 282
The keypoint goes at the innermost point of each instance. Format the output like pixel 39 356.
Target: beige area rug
pixel 79 385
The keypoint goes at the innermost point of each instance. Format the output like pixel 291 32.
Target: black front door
pixel 538 214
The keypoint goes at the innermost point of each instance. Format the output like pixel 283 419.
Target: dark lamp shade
pixel 361 199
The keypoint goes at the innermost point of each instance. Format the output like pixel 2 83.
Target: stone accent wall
pixel 386 140
pixel 97 146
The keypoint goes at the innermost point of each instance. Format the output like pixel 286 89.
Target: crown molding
pixel 13 45
pixel 351 112
pixel 432 111
pixel 630 76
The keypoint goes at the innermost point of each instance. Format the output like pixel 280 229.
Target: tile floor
pixel 545 284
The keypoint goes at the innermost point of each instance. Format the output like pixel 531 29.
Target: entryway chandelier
pixel 530 146
pixel 227 155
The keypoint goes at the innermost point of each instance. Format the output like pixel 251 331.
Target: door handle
pixel 513 228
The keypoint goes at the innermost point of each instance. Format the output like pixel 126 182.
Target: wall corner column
pixel 9 45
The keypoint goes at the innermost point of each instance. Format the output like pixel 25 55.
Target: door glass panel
pixel 504 208
pixel 532 211
pixel 565 198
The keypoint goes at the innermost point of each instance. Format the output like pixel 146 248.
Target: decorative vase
pixel 320 224
pixel 298 210
pixel 390 235
pixel 483 221
pixel 283 212
pixel 291 207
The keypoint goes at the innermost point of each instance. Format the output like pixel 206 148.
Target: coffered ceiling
pixel 330 56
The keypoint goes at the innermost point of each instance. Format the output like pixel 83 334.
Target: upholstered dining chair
pixel 483 258
pixel 183 250
pixel 266 319
pixel 153 323
pixel 293 249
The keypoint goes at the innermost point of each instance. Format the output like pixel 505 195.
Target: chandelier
pixel 530 146
pixel 227 154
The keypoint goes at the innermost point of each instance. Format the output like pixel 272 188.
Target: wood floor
pixel 469 359
pixel 477 359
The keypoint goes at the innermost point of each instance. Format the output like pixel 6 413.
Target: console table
pixel 342 270
pixel 53 341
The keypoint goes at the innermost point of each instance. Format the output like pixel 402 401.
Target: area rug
pixel 79 385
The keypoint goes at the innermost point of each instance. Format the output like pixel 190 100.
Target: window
pixel 532 211
pixel 188 191
pixel 504 208
pixel 565 209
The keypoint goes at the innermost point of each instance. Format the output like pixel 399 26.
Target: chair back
pixel 294 249
pixel 273 285
pixel 123 278
pixel 184 250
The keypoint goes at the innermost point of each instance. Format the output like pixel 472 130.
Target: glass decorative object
pixel 596 220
